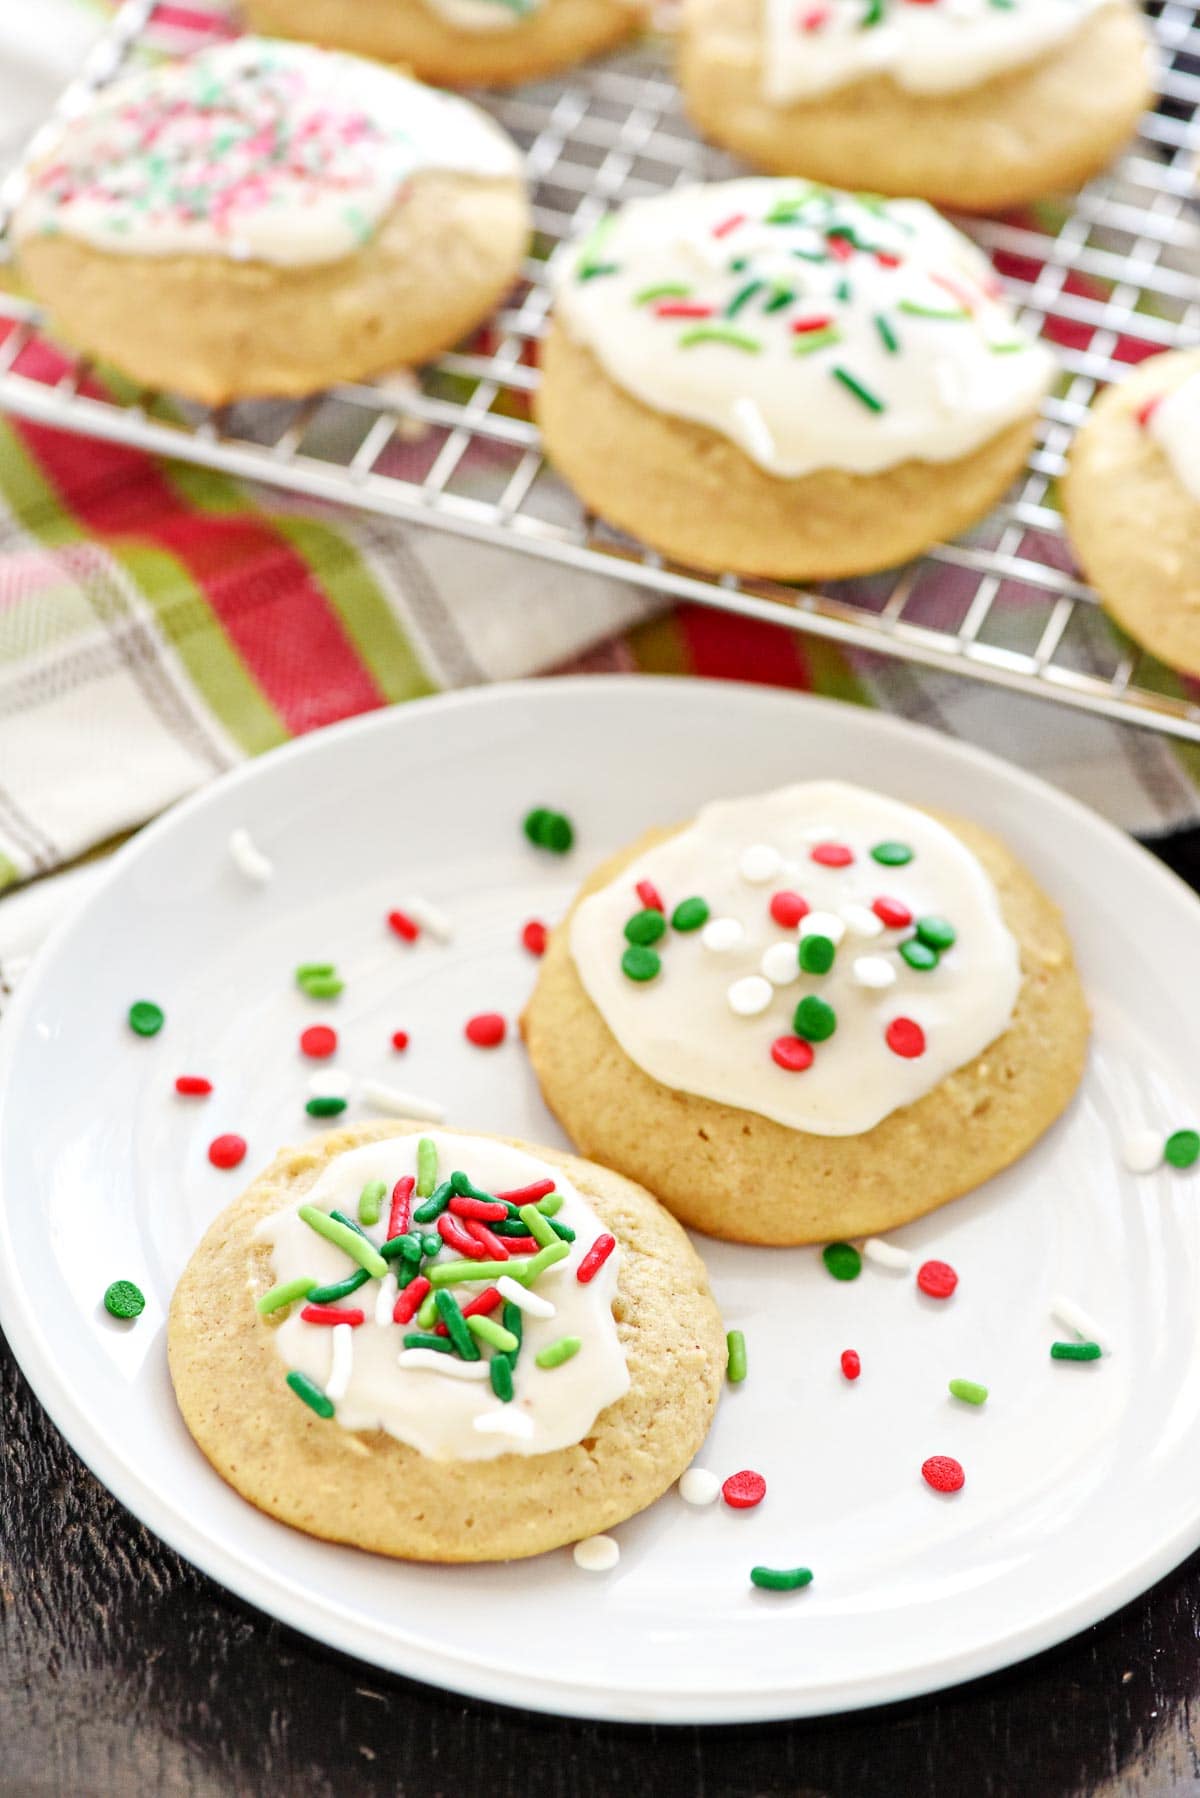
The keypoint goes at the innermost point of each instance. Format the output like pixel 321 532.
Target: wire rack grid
pixel 1108 281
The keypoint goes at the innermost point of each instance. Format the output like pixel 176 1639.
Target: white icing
pixel 256 150
pixel 813 46
pixel 485 16
pixel 960 371
pixel 432 1401
pixel 1174 425
pixel 678 1027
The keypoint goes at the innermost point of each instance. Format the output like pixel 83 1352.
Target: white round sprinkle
pixel 750 996
pixel 429 917
pixel 342 1364
pixel 504 1420
pixel 1073 1317
pixel 430 1361
pixel 886 1254
pixel 596 1554
pixel 781 964
pixel 247 858
pixel 874 971
pixel 531 1303
pixel 760 863
pixel 330 1083
pixel 699 1487
pixel 721 934
pixel 823 923
pixel 400 1104
pixel 1142 1151
pixel 862 920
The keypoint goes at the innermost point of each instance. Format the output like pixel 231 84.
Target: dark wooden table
pixel 122 1670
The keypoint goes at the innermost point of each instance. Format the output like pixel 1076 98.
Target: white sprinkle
pixel 1142 1151
pixel 430 1361
pixel 886 1254
pixel 750 996
pixel 342 1364
pixel 721 934
pixel 760 863
pixel 596 1554
pixel 400 1104
pixel 874 971
pixel 823 923
pixel 247 858
pixel 1073 1317
pixel 699 1487
pixel 430 918
pixel 862 920
pixel 330 1083
pixel 503 1421
pixel 781 964
pixel 385 1303
pixel 532 1303
pixel 756 434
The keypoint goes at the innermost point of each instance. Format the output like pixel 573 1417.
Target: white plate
pixel 1083 1482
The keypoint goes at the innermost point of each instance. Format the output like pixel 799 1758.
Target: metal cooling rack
pixel 1108 282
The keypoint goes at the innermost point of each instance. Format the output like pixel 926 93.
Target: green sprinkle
pixel 311 1393
pixel 919 955
pixel 435 1204
pixel 645 927
pixel 123 1299
pixel 441 1345
pixel 466 1189
pixel 407 1247
pixel 431 1245
pixel 816 954
pixel 914 309
pixel 564 1232
pixel 639 963
pixel 665 290
pixel 450 1312
pixel 808 341
pixel 781 1579
pixel 323 986
pixel 563 1350
pixel 549 830
pixel 814 1020
pixel 536 1264
pixel 551 1205
pixel 892 855
pixel 339 1217
pixel 589 263
pixel 843 1260
pixel 339 1289
pixel 314 970
pixel 853 385
pixel 599 268
pixel 146 1018
pixel 690 914
pixel 453 1273
pixel 1075 1351
pixel 286 1293
pixel 355 1245
pixel 489 1331
pixel 539 1227
pixel 936 933
pixel 969 1391
pixel 1182 1148
pixel 427 1315
pixel 513 1319
pixel 782 296
pixel 887 336
pixel 370 1201
pixel 735 1357
pixel 843 291
pixel 734 340
pixel 427 1163
pixel 500 1369
pixel 406 1273
pixel 325 1108
pixel 742 298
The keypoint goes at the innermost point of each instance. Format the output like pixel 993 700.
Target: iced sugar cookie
pixel 459 43
pixel 967 103
pixel 778 379
pixel 1132 500
pixel 265 218
pixel 844 1013
pixel 445 1347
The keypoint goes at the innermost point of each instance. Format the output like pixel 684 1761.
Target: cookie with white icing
pixel 779 379
pixel 458 43
pixel 267 218
pixel 966 103
pixel 1132 501
pixel 477 1378
pixel 814 1014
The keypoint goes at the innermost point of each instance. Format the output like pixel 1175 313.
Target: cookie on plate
pixel 267 218
pixel 968 103
pixel 458 43
pixel 1132 501
pixel 444 1375
pixel 772 378
pixel 810 1015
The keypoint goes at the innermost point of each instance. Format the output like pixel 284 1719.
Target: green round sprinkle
pixel 563 1350
pixel 323 986
pixel 328 1108
pixel 937 933
pixel 549 830
pixel 1182 1148
pixel 370 1201
pixel 500 1369
pixel 843 1260
pixel 489 1331
pixel 1075 1351
pixel 286 1293
pixel 816 954
pixel 781 1579
pixel 534 823
pixel 311 1393
pixel 814 1020
pixel 645 927
pixel 639 963
pixel 969 1391
pixel 124 1299
pixel 146 1018
pixel 690 914
pixel 339 1289
pixel 919 955
pixel 735 1361
pixel 892 855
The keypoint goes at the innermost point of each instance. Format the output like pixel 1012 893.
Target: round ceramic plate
pixel 1083 1481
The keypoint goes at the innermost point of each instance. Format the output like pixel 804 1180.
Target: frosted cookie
pixel 777 379
pixel 372 1346
pixel 968 103
pixel 266 218
pixel 1132 501
pixel 458 43
pixel 842 1013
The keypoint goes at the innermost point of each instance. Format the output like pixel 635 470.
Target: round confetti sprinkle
pixel 937 1279
pixel 814 1019
pixel 645 927
pixel 690 914
pixel 760 863
pixel 1142 1151
pixel 326 1105
pixel 788 909
pixel 842 1260
pixel 751 996
pixel 650 896
pixel 639 963
pixel 943 1473
pixel 487 1030
pixel 823 923
pixel 832 855
pixel 124 1299
pixel 936 933
pixel 919 955
pixel 851 1364
pixel 792 1054
pixel 146 1018
pixel 722 934
pixel 781 1579
pixel 816 954
pixel 969 1391
pixel 534 937
pixel 874 972
pixel 744 1490
pixel 227 1151
pixel 596 1554
pixel 549 830
pixel 699 1487
pixel 318 1042
pixel 404 926
pixel 892 855
pixel 861 920
pixel 892 912
pixel 781 964
pixel 400 1040
pixel 1182 1148
pixel 905 1037
pixel 193 1086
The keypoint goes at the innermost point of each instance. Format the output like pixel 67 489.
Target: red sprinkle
pixel 650 896
pixel 486 1030
pixel 400 1215
pixel 404 926
pixel 456 1237
pixel 683 309
pixel 193 1086
pixel 905 1037
pixel 527 1195
pixel 788 909
pixel 937 1279
pixel 400 1040
pixel 408 1302
pixel 792 1054
pixel 840 248
pixel 318 1041
pixel 333 1314
pixel 833 855
pixel 534 936
pixel 496 1246
pixel 819 321
pixel 594 1260
pixel 1145 413
pixel 227 1151
pixel 851 1364
pixel 892 912
pixel 744 1490
pixel 491 1212
pixel 490 1299
pixel 887 259
pixel 943 1473
pixel 729 224
pixel 521 1245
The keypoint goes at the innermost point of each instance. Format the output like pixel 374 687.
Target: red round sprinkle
pixel 892 912
pixel 486 1030
pixel 400 1039
pixel 788 909
pixel 792 1054
pixel 937 1279
pixel 193 1086
pixel 744 1490
pixel 905 1038
pixel 833 855
pixel 851 1365
pixel 227 1151
pixel 650 896
pixel 403 925
pixel 943 1473
pixel 534 936
pixel 318 1041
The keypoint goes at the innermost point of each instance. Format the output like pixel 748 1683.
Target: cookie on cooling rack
pixel 459 43
pixel 779 379
pixel 348 1362
pixel 267 218
pixel 1132 502
pixel 810 1015
pixel 966 103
